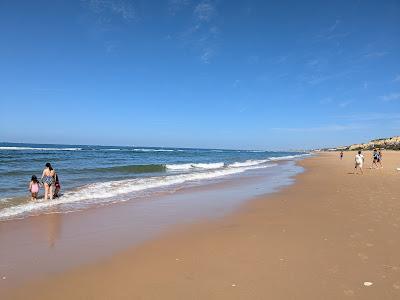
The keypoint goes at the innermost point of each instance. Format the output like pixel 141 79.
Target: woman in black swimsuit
pixel 48 181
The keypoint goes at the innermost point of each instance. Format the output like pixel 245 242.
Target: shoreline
pixel 320 238
pixel 59 242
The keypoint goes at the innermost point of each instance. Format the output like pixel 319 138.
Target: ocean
pixel 99 175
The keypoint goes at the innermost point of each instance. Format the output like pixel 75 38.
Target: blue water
pixel 103 173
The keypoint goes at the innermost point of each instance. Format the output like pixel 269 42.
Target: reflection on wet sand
pixel 53 222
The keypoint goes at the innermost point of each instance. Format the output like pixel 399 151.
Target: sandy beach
pixel 331 235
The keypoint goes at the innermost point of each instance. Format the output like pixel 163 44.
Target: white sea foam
pixel 6 199
pixel 209 166
pixel 40 149
pixel 104 192
pixel 288 157
pixel 248 163
pixel 153 150
pixel 177 167
pixel 282 157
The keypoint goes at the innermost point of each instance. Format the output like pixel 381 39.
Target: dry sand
pixel 321 238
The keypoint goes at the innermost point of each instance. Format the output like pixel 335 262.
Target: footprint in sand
pixel 363 256
pixel 355 235
pixel 334 269
pixel 348 292
pixel 396 286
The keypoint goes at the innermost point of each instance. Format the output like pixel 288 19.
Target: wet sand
pixel 321 238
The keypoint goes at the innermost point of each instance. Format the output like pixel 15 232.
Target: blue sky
pixel 220 74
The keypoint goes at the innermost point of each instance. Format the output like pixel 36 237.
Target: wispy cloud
pixel 204 11
pixel 371 120
pixel 344 104
pixel 391 97
pixel 280 59
pixel 326 100
pixel 331 32
pixel 397 78
pixel 208 53
pixel 327 128
pixel 47 90
pixel 349 122
pixel 334 36
pixel 203 34
pixel 106 9
pixel 334 26
pixel 253 59
pixel 317 78
pixel 375 54
pixel 110 46
pixel 174 6
pixel 313 62
pixel 369 117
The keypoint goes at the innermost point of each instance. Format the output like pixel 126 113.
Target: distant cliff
pixel 392 143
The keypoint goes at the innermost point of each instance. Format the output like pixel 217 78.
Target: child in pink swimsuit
pixel 34 187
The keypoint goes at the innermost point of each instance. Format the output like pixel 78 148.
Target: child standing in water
pixel 34 187
pixel 57 186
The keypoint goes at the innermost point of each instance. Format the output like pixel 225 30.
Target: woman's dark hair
pixel 48 165
pixel 34 179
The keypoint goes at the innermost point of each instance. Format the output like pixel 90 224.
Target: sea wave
pixel 248 163
pixel 188 166
pixel 153 150
pixel 209 165
pixel 177 167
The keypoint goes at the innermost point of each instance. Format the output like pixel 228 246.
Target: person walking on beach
pixel 375 159
pixel 359 159
pixel 380 159
pixel 341 155
pixel 34 187
pixel 48 176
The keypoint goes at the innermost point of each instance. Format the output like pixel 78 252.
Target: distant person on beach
pixel 34 187
pixel 380 159
pixel 359 159
pixel 57 186
pixel 341 155
pixel 375 159
pixel 48 176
